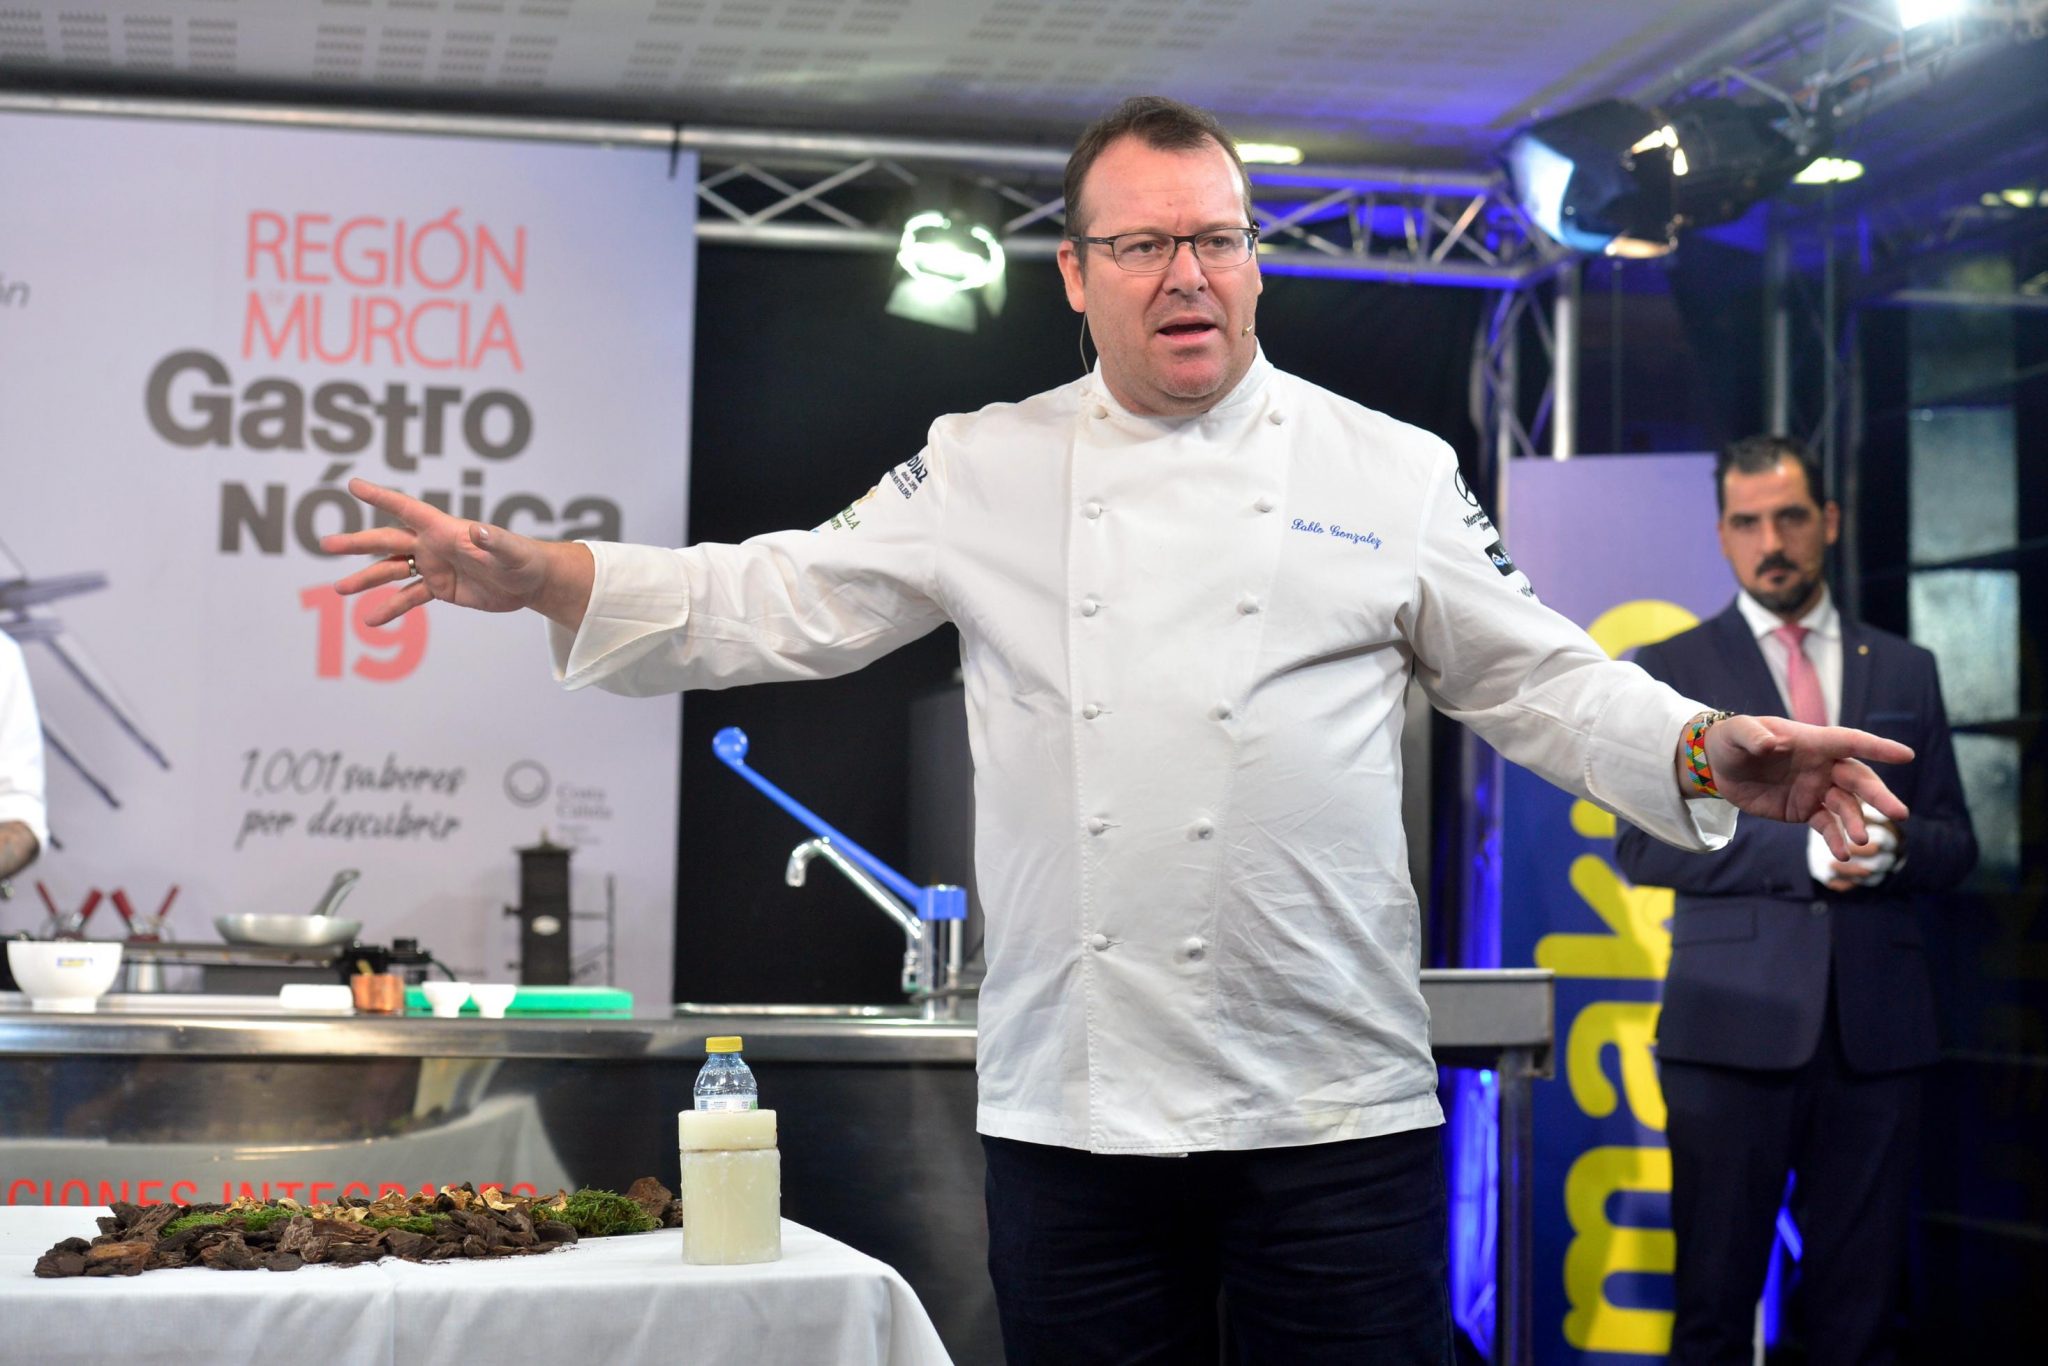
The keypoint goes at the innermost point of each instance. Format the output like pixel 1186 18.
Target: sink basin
pixel 686 1010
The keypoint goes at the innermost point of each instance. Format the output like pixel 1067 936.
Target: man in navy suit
pixel 1798 1017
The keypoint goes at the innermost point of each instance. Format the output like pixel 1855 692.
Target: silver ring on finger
pixel 412 567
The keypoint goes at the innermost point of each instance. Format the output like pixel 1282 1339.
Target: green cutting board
pixel 544 1001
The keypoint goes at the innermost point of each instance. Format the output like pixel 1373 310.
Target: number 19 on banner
pixel 383 654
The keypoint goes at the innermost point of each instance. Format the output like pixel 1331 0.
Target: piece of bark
pixel 672 1214
pixel 403 1242
pixel 183 1239
pixel 651 1196
pixel 57 1262
pixel 317 1240
pixel 118 1259
pixel 283 1261
pixel 230 1254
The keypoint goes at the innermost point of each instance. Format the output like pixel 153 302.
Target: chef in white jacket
pixel 24 821
pixel 1191 591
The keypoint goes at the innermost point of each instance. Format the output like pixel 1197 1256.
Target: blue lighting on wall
pixel 1471 1146
pixel 1782 1272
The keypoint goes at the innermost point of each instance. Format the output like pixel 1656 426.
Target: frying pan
pixel 316 929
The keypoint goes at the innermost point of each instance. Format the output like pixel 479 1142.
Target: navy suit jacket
pixel 1753 936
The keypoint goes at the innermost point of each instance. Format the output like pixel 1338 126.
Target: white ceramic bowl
pixel 493 998
pixel 446 998
pixel 64 974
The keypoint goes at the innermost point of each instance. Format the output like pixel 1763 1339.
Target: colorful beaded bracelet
pixel 1696 766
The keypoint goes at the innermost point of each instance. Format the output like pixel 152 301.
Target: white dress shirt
pixel 21 746
pixel 1823 647
pixel 1185 643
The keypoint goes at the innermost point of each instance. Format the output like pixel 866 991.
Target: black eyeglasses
pixel 1145 253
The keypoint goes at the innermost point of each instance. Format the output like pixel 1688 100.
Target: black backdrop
pixel 805 393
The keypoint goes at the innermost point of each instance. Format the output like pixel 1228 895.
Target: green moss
pixel 249 1220
pixel 412 1223
pixel 600 1214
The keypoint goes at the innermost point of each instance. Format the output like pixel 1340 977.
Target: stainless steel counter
pixel 194 1098
pixel 1473 1017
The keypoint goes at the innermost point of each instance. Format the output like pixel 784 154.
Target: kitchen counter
pixel 1474 1016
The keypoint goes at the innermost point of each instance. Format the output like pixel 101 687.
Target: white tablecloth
pixel 606 1300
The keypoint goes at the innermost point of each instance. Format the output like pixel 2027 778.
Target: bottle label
pixel 727 1103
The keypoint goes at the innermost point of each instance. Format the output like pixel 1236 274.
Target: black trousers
pixel 1329 1253
pixel 1735 1134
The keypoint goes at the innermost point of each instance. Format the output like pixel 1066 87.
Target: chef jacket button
pixel 1098 941
pixel 1101 411
pixel 1096 825
pixel 1090 712
pixel 1092 511
pixel 1223 711
pixel 1818 908
pixel 1090 606
pixel 1202 829
pixel 1193 946
pixel 1248 604
pixel 1276 418
pixel 1264 504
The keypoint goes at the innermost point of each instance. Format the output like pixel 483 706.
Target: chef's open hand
pixel 1818 776
pixel 467 563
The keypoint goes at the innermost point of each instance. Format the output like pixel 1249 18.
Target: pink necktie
pixel 1802 682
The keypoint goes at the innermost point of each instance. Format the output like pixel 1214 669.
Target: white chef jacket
pixel 1185 643
pixel 21 746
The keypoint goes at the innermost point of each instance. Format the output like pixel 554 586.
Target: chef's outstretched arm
pixel 1818 776
pixel 460 561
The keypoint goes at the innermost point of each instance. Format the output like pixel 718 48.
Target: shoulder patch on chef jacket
pixel 1474 522
pixel 848 518
pixel 909 476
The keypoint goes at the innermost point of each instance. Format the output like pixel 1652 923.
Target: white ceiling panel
pixel 1418 81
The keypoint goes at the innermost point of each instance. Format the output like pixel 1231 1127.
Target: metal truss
pixel 1364 223
pixel 844 192
pixel 1497 380
pixel 1835 62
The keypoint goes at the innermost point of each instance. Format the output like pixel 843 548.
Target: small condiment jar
pixel 377 993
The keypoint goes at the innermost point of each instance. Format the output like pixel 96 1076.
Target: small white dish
pixel 66 975
pixel 493 998
pixel 446 998
pixel 313 996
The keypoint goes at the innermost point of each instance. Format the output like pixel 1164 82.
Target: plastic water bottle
pixel 726 1082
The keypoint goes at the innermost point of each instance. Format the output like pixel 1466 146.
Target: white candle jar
pixel 732 1187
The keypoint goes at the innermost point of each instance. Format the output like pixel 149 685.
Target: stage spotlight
pixel 1268 154
pixel 1619 179
pixel 1598 179
pixel 1829 171
pixel 1727 156
pixel 952 263
pixel 1919 13
pixel 949 258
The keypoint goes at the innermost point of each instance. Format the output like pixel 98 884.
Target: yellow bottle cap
pixel 722 1043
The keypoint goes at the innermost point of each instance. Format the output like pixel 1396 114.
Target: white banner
pixel 204 331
